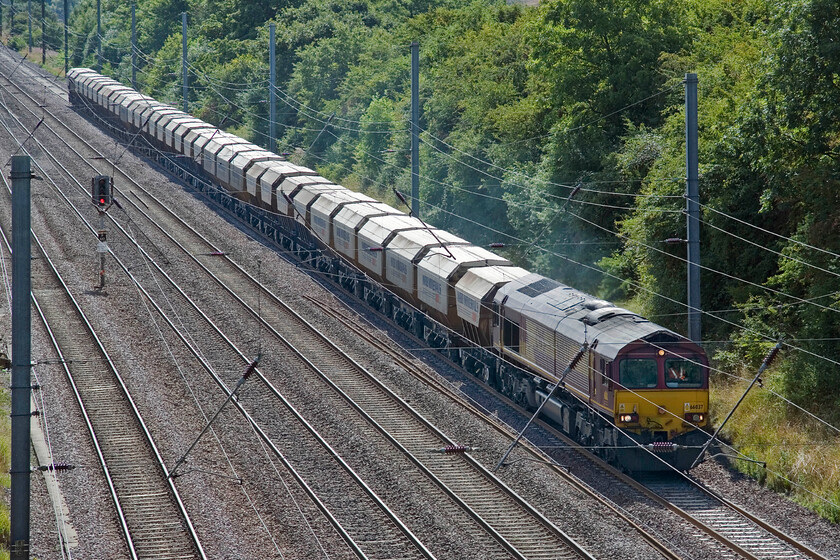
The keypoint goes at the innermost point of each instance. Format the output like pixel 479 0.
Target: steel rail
pixel 770 529
pixel 95 437
pixel 476 466
pixel 728 542
pixel 425 553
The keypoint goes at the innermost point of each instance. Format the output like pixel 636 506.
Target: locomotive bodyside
pixel 625 373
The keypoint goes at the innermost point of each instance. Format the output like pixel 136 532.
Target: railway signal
pixel 101 187
pixel 102 197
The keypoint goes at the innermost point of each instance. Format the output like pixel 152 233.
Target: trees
pixel 522 106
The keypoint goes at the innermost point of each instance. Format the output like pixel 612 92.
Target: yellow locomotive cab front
pixel 673 411
pixel 661 393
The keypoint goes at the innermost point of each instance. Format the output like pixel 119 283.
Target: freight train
pixel 633 391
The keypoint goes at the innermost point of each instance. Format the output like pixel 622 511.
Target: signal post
pixel 102 198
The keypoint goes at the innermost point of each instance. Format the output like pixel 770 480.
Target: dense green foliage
pixel 522 105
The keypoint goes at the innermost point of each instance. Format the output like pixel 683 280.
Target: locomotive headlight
pixel 628 418
pixel 695 417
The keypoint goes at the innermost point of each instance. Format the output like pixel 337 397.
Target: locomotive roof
pixel 579 316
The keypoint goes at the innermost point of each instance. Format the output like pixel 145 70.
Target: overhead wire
pixel 798 300
pixel 567 258
pixel 763 230
pixel 768 249
pixel 793 403
pixel 766 337
pixel 198 350
pixel 381 160
pixel 146 260
pixel 706 268
pixel 486 195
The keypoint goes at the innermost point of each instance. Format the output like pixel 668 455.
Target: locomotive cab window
pixel 638 373
pixel 511 334
pixel 683 373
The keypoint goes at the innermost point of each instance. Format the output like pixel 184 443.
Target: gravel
pixel 266 516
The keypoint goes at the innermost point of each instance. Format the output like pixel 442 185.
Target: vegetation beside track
pixel 522 104
pixel 802 455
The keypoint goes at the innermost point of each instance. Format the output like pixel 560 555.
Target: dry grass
pixel 802 455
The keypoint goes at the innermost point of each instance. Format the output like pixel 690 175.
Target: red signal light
pixel 101 187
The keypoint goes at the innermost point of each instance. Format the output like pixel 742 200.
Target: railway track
pixel 517 527
pixel 391 534
pixel 152 517
pixel 754 538
pixel 736 539
pixel 733 528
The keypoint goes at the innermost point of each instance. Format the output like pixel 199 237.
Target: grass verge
pixel 802 455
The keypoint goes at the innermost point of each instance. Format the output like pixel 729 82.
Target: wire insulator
pixel 662 446
pixel 251 367
pixel 56 467
pixel 453 449
pixel 771 355
pixel 401 197
pixel 577 358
